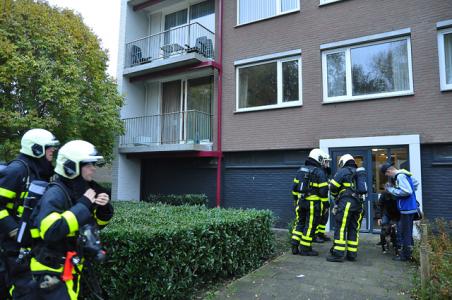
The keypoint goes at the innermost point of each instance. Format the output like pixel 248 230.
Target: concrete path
pixel 373 276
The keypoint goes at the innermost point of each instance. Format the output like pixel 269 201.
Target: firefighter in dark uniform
pixel 387 215
pixel 33 163
pixel 69 203
pixel 348 211
pixel 310 188
pixel 320 236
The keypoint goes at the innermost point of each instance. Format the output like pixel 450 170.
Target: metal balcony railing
pixel 184 39
pixel 190 126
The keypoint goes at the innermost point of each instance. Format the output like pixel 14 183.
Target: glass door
pixel 362 159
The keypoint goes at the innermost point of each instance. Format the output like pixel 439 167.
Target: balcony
pixel 184 45
pixel 189 130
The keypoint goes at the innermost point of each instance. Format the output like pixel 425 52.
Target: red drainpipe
pixel 220 93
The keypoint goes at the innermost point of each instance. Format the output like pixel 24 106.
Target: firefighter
pixel 69 203
pixel 33 163
pixel 348 211
pixel 320 236
pixel 310 189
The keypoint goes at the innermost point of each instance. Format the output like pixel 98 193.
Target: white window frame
pixel 323 2
pixel 442 60
pixel 278 12
pixel 279 84
pixel 348 76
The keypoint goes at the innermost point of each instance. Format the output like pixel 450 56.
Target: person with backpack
pixel 404 191
pixel 320 236
pixel 310 188
pixel 347 187
pixel 33 163
pixel 70 204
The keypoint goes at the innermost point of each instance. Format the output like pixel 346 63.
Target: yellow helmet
pixel 35 141
pixel 72 155
pixel 344 159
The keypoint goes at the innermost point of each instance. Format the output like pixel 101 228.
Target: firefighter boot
pixel 334 256
pixel 318 239
pixel 295 250
pixel 351 256
pixel 325 237
pixel 307 251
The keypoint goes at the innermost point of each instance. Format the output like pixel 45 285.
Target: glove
pixel 334 210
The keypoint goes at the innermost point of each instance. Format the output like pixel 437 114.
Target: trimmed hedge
pixel 188 199
pixel 167 252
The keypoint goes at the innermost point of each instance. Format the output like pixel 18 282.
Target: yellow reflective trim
pixel 71 220
pixel 347 184
pixel 295 193
pixel 296 180
pixel 311 219
pixel 3 214
pixel 352 249
pixel 321 226
pixel 339 248
pixel 10 205
pixel 352 243
pixel 34 233
pixel 323 184
pixel 312 198
pixel 344 220
pixel 7 193
pixel 305 243
pixel 296 232
pixel 20 209
pixel 47 222
pixel 101 222
pixel 335 183
pixel 314 184
pixel 339 242
pixel 307 238
pixel 324 200
pixel 295 237
pixel 23 195
pixel 36 266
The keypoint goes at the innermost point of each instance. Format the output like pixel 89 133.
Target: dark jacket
pixel 342 184
pixel 386 205
pixel 318 182
pixel 61 213
pixel 13 180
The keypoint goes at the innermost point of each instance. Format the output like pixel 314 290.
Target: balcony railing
pixel 190 127
pixel 185 39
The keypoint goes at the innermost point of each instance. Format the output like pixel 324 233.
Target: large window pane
pixel 252 10
pixel 380 68
pixel 257 86
pixel 448 56
pixel 290 81
pixel 336 74
pixel 287 5
pixel 204 14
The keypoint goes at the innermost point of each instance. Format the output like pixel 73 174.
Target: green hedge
pixel 188 199
pixel 167 252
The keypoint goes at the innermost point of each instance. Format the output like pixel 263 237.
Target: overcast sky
pixel 102 16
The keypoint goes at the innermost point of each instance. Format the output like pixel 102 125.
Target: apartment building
pixel 365 77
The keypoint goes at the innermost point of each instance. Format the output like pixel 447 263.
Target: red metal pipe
pixel 219 102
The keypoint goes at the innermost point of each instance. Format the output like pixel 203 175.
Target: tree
pixel 53 76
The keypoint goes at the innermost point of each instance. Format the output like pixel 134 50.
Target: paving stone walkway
pixel 373 276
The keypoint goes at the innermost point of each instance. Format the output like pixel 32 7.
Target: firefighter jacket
pixel 317 182
pixel 13 184
pixel 342 186
pixel 386 205
pixel 62 210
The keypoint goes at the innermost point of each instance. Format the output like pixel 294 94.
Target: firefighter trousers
pixel 307 218
pixel 324 214
pixel 348 223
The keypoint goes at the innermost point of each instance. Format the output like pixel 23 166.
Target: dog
pixel 389 234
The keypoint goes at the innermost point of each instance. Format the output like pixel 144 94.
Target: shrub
pixel 159 251
pixel 440 258
pixel 188 199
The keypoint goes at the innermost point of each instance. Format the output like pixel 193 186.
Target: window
pixel 254 10
pixel 375 70
pixel 328 1
pixel 445 58
pixel 270 84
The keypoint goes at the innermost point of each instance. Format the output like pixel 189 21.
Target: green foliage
pixel 159 251
pixel 53 76
pixel 188 199
pixel 440 258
